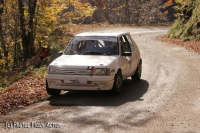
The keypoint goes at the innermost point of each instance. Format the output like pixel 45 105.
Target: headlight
pixel 100 72
pixel 53 70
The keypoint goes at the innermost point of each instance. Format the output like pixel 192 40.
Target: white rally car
pixel 95 61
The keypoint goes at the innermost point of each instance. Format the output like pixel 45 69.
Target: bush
pixel 187 25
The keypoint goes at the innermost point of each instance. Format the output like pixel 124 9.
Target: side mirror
pixel 126 54
pixel 60 52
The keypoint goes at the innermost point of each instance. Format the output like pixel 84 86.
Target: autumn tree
pixel 24 29
pixel 27 29
pixel 76 11
pixel 3 45
pixel 46 18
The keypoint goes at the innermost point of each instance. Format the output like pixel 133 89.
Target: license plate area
pixel 75 81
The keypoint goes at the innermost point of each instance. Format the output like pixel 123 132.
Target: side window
pixel 121 42
pixel 130 42
pixel 125 46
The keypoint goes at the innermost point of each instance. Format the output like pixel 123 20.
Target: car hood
pixel 83 60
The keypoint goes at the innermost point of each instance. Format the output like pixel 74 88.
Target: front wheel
pixel 53 92
pixel 138 72
pixel 118 81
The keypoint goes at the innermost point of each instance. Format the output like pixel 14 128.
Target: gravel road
pixel 166 100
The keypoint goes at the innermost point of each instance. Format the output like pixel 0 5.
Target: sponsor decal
pixel 92 68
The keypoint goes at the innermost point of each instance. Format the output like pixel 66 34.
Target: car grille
pixel 67 71
pixel 74 72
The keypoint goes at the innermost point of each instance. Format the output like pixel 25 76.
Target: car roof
pixel 115 34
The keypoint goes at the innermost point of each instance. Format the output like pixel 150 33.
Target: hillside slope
pixel 135 11
pixel 125 11
pixel 187 26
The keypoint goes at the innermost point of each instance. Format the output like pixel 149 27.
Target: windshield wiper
pixel 92 53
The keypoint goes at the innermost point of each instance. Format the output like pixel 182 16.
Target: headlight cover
pixel 101 72
pixel 54 70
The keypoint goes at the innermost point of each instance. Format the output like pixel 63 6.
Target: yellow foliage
pixel 2 61
pixel 3 70
pixel 81 9
pixel 47 18
pixel 180 3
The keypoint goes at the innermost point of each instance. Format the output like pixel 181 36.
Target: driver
pixel 111 48
pixel 89 45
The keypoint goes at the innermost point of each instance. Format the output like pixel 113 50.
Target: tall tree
pixel 3 44
pixel 31 26
pixel 23 29
pixel 1 27
pixel 77 10
pixel 27 29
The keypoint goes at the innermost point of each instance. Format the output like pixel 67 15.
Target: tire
pixel 138 72
pixel 117 85
pixel 53 92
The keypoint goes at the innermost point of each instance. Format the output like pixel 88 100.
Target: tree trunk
pixel 1 27
pixel 16 42
pixel 27 35
pixel 32 6
pixel 3 45
pixel 23 30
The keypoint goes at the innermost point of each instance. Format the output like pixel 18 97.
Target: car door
pixel 130 62
pixel 122 59
pixel 134 61
pixel 127 61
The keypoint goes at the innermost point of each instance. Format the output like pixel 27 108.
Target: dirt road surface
pixel 166 100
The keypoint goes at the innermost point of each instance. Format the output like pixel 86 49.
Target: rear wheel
pixel 138 72
pixel 53 92
pixel 118 81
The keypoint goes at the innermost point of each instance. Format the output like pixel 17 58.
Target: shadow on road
pixel 132 91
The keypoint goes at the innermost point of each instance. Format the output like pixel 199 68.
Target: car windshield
pixel 93 46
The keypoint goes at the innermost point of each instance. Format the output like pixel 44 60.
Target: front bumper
pixel 79 82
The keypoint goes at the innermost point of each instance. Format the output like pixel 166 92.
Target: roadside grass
pixel 40 71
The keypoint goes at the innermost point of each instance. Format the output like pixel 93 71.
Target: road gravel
pixel 166 100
